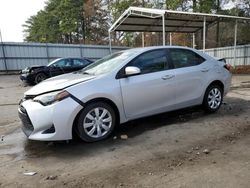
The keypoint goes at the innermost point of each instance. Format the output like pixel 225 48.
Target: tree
pixel 66 21
pixel 96 22
pixel 42 28
pixel 70 15
pixel 88 21
pixel 117 7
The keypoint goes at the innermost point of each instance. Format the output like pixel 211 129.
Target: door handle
pixel 166 77
pixel 204 70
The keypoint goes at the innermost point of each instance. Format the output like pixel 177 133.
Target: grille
pixel 22 109
pixel 27 126
pixel 27 97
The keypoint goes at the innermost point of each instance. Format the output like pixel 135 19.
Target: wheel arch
pixel 214 82
pixel 44 72
pixel 217 82
pixel 100 99
pixel 40 72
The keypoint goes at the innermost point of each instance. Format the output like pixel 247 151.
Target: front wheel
pixel 40 77
pixel 213 98
pixel 96 122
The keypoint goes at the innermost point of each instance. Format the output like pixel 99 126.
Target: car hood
pixel 36 66
pixel 27 69
pixel 58 83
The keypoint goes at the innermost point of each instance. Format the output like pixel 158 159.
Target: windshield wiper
pixel 81 72
pixel 86 73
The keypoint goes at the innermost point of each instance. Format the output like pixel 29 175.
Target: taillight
pixel 227 66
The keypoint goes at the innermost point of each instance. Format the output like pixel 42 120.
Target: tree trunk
pixel 217 34
pixel 194 5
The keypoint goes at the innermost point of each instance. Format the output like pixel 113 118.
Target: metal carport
pixel 136 19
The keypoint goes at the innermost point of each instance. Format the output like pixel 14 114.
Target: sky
pixel 229 5
pixel 13 14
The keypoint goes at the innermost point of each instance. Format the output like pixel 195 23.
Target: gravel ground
pixel 185 148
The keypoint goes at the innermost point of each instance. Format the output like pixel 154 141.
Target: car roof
pixel 60 58
pixel 142 49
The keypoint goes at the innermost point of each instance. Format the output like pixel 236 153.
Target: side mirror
pixel 132 71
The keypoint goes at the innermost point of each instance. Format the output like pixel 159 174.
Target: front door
pixel 152 91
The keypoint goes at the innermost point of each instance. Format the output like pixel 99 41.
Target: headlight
pixel 52 97
pixel 25 71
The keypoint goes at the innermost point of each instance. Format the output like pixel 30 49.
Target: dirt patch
pixel 162 165
pixel 241 69
pixel 241 86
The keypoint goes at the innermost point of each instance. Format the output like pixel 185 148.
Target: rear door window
pixel 184 58
pixel 62 63
pixel 80 62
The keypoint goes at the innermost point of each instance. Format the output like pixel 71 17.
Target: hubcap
pixel 97 122
pixel 214 98
pixel 40 78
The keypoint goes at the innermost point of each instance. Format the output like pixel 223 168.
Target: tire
pixel 96 122
pixel 40 77
pixel 213 98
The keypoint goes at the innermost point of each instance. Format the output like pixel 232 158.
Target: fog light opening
pixel 50 130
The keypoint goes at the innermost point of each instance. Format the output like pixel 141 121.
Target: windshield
pixel 108 63
pixel 52 62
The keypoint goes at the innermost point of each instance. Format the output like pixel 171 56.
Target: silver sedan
pixel 121 87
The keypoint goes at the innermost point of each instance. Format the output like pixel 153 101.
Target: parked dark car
pixel 36 74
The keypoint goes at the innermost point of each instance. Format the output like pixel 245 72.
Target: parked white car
pixel 124 86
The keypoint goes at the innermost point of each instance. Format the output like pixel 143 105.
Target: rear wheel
pixel 96 122
pixel 40 77
pixel 213 98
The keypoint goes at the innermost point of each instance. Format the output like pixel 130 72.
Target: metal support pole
pixel 245 55
pixel 142 36
pixel 193 40
pixel 47 52
pixel 80 48
pixel 110 47
pixel 4 57
pixel 170 39
pixel 235 39
pixel 163 30
pixel 204 34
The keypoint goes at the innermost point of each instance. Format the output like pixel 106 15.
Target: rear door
pixel 191 72
pixel 152 91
